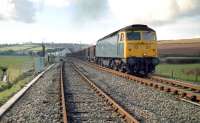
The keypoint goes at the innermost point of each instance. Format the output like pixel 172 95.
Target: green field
pixel 23 47
pixel 36 49
pixel 12 89
pixel 16 65
pixel 19 72
pixel 187 72
pixel 17 47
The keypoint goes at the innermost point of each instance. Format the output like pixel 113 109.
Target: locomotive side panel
pixel 108 47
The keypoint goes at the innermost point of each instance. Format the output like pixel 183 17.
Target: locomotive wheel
pixel 112 65
pixel 122 68
pixel 128 69
pixel 115 67
pixel 128 72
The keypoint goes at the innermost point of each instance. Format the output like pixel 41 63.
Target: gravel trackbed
pixel 40 104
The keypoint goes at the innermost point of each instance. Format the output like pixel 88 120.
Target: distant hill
pixel 34 48
pixel 180 41
pixel 181 47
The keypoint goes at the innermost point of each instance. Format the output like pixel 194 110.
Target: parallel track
pixel 85 94
pixel 195 88
pixel 184 90
pixel 62 95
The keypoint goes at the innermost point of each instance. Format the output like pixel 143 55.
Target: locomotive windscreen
pixel 149 36
pixel 143 35
pixel 133 35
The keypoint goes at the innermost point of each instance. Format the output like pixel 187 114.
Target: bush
pixel 4 86
pixel 181 60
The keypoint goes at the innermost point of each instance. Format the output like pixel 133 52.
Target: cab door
pixel 120 44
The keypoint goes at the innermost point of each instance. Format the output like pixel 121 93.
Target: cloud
pixel 24 11
pixel 88 10
pixel 189 7
pixel 156 12
pixel 6 9
pixel 20 10
pixel 52 3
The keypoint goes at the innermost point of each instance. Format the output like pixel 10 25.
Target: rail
pixel 176 82
pixel 182 89
pixel 62 95
pixel 117 108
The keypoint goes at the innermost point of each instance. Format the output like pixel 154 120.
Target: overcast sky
pixel 85 21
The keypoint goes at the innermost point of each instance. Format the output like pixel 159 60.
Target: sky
pixel 85 21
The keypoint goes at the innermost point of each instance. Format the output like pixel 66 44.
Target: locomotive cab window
pixel 133 35
pixel 149 36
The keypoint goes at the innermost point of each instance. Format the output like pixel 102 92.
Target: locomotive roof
pixel 134 27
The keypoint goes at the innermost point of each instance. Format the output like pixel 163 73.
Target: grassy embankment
pixel 19 71
pixel 38 48
pixel 187 72
pixel 19 47
pixel 184 62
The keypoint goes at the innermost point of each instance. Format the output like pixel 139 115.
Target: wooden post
pixel 4 76
pixel 172 74
pixel 196 75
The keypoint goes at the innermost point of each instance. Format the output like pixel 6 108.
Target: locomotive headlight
pixel 144 54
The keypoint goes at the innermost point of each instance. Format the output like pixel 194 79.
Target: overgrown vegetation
pixel 20 71
pixel 180 60
pixel 6 94
pixel 16 47
pixel 4 86
pixel 17 65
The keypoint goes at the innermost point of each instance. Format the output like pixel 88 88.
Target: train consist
pixel 132 49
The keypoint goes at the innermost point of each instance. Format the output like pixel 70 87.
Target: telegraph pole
pixel 43 50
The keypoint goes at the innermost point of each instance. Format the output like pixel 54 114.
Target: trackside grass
pixel 17 65
pixel 6 94
pixel 18 47
pixel 20 71
pixel 187 72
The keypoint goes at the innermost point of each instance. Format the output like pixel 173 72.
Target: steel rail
pixel 117 108
pixel 183 92
pixel 64 113
pixel 176 82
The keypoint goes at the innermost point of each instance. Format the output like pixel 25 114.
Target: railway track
pixel 85 102
pixel 195 88
pixel 184 90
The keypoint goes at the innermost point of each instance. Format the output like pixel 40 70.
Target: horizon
pixel 32 42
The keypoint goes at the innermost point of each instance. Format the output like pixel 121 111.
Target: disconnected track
pixel 127 117
pixel 184 90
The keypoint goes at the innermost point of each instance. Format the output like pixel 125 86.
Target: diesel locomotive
pixel 132 49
